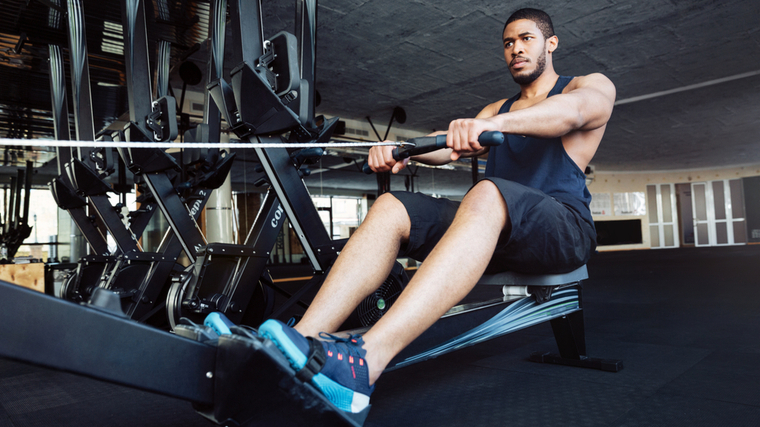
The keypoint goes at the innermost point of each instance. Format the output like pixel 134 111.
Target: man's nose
pixel 517 49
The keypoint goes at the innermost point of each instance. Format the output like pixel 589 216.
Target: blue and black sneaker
pixel 219 323
pixel 338 366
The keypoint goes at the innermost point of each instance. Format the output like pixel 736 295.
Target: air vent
pixel 358 132
pixel 113 40
pixel 196 106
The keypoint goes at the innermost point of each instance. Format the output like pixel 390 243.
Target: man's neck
pixel 541 86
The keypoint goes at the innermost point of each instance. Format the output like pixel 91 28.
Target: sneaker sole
pixel 341 396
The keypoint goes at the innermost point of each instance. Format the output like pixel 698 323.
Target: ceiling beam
pixel 687 88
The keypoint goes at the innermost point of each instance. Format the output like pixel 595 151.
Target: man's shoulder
pixel 597 80
pixel 491 109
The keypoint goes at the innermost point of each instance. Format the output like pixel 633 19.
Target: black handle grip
pixel 491 138
pixel 426 144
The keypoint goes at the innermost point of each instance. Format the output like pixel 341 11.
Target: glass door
pixel 663 221
pixel 718 208
pixel 703 233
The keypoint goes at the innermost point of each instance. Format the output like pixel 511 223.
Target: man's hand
pixel 381 159
pixel 463 135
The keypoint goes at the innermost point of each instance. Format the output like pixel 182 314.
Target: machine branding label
pixel 277 217
pixel 197 205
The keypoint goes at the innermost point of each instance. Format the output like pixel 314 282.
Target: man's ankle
pixel 301 330
pixel 306 331
pixel 373 363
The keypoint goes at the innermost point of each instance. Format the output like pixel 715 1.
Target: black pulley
pixel 399 114
pixel 190 73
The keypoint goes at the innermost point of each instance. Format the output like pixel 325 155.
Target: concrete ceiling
pixel 687 72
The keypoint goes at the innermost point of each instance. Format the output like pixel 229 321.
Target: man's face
pixel 524 51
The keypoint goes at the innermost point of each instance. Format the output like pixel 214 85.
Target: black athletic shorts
pixel 546 236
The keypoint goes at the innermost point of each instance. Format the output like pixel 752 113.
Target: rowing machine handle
pixel 426 144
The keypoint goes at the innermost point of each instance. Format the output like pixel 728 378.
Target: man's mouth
pixel 518 62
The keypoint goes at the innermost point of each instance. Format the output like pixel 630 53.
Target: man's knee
pixel 485 202
pixel 389 211
pixel 485 196
pixel 388 204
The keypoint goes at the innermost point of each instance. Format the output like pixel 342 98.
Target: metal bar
pixel 608 365
pixel 308 47
pixel 90 233
pixel 296 297
pixel 247 31
pixel 84 120
pixel 373 127
pixel 570 335
pixel 211 114
pixel 296 201
pixel 27 188
pixel 10 218
pixel 176 213
pixel 124 238
pixel 261 238
pixel 80 74
pixel 61 128
pixel 257 237
pixel 162 69
pixel 6 224
pixel 17 199
pixel 137 62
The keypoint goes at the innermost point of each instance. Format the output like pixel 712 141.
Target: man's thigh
pixel 546 236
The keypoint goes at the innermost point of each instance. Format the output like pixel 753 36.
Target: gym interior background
pixel 678 169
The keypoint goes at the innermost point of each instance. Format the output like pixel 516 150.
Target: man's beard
pixel 530 78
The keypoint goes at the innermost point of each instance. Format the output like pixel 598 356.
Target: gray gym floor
pixel 685 322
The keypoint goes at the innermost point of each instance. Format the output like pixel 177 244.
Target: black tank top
pixel 541 163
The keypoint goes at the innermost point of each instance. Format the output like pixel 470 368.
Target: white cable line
pixel 122 144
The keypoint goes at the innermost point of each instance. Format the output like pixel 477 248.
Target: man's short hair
pixel 541 18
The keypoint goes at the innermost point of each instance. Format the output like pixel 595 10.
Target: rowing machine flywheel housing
pixel 372 308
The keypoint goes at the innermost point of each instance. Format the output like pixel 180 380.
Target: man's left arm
pixel 586 105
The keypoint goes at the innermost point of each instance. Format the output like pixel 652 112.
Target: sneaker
pixel 219 323
pixel 344 375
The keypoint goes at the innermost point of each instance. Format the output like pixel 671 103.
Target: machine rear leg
pixel 570 335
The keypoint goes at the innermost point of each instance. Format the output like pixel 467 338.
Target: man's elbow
pixel 595 107
pixel 594 114
pixel 579 120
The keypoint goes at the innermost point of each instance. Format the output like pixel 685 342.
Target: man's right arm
pixel 381 158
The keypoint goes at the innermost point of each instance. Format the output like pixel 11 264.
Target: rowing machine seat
pixel 540 285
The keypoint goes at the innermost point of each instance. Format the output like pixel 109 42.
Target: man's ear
pixel 552 43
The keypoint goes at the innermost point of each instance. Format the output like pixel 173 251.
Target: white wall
pixel 623 182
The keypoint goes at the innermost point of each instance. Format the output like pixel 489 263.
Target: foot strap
pixel 314 363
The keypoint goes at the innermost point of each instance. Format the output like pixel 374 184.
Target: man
pixel 530 214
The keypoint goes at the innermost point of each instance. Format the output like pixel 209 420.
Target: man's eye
pixel 528 38
pixel 508 44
